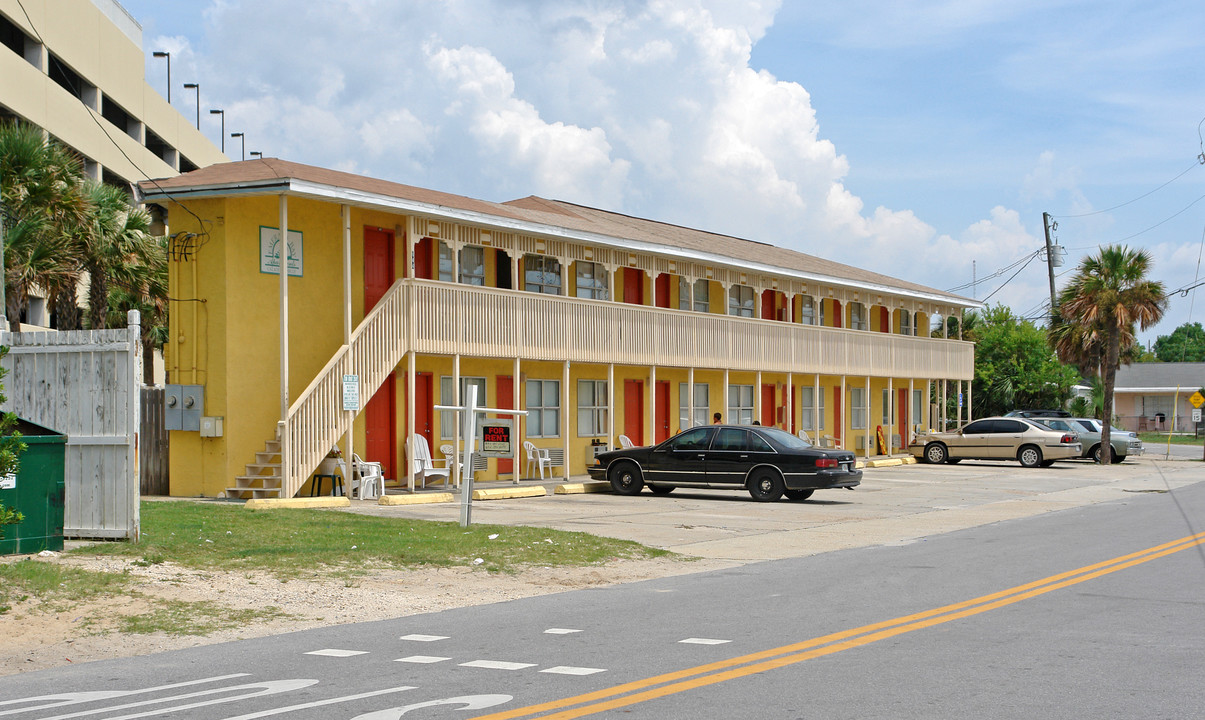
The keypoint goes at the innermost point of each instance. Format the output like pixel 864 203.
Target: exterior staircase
pixel 316 420
pixel 263 476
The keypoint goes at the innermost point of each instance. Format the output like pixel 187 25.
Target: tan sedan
pixel 998 438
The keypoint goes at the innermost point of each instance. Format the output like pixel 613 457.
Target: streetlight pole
pixel 257 154
pixel 223 135
pixel 242 141
pixel 197 88
pixel 165 54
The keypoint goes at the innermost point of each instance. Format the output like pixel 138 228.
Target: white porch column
pixel 757 409
pixel 610 406
pixel 869 440
pixel 345 213
pixel 565 417
pixel 789 419
pixel 459 451
pixel 651 434
pixel 839 420
pixel 283 269
pixel 411 383
pixel 725 397
pixel 518 403
pixel 690 399
pixel 893 417
pixel 817 421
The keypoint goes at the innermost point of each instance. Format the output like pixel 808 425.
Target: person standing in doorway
pixel 716 419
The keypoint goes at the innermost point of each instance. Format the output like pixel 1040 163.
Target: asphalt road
pixel 1082 611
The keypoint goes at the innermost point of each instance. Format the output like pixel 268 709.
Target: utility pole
pixel 1054 308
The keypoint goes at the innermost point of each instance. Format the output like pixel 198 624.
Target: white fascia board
pixel 1185 390
pixel 321 191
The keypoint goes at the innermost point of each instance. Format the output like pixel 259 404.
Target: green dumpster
pixel 35 491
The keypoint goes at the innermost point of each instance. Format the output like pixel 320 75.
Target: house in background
pixel 1155 396
pixel 597 324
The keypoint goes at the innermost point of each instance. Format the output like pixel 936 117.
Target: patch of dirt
pixel 35 636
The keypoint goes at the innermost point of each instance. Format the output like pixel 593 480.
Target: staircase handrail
pixel 316 419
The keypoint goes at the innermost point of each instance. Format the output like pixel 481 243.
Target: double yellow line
pixel 690 678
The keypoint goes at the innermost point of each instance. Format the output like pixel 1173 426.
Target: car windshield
pixel 785 439
pixel 1089 425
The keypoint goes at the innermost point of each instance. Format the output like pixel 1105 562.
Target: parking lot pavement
pixel 893 505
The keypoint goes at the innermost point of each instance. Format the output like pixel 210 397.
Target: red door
pixel 424 409
pixel 633 410
pixel 380 428
pixel 505 392
pixel 884 320
pixel 767 405
pixel 838 418
pixel 380 414
pixel 661 291
pixel 633 289
pixel 767 305
pixel 837 322
pixel 661 409
pixel 423 250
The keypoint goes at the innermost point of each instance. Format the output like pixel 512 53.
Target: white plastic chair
pixel 422 466
pixel 537 456
pixel 626 442
pixel 367 478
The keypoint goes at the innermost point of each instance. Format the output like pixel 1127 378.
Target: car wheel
pixel 626 479
pixel 1118 458
pixel 1047 463
pixel 936 453
pixel 661 489
pixel 1094 453
pixel 765 485
pixel 1029 456
pixel 798 494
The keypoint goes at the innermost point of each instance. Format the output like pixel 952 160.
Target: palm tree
pixel 40 192
pixel 117 246
pixel 146 292
pixel 1108 296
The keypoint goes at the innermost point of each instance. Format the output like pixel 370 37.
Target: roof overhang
pixel 321 191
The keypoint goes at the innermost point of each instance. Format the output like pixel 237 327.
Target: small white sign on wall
pixel 351 392
pixel 269 251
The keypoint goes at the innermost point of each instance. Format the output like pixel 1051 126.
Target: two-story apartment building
pixel 597 324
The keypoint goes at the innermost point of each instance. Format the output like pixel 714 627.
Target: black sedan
pixel 766 461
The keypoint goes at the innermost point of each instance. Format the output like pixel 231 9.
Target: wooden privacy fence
pixel 153 446
pixel 85 385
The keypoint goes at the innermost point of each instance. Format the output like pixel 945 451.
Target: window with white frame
pixel 807 310
pixel 918 413
pixel 702 406
pixel 445 262
pixel 542 274
pixel 472 265
pixel 702 295
pixel 808 405
pixel 543 408
pixel 592 280
pixel 906 325
pixel 684 294
pixel 886 408
pixel 857 408
pixel 740 404
pixel 857 316
pixel 591 408
pixel 740 301
pixel 823 315
pixel 447 418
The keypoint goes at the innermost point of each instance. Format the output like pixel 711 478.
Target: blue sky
pixel 919 139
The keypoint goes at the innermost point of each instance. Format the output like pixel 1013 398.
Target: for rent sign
pixel 496 439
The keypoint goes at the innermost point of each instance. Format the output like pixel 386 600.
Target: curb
pixel 888 462
pixel 415 499
pixel 593 486
pixel 279 503
pixel 508 493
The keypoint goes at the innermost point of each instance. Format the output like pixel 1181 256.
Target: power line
pixel 1196 162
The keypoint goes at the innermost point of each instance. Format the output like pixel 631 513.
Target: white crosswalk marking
pixel 497 665
pixel 560 631
pixel 703 641
pixel 332 652
pixel 424 638
pixel 422 659
pixel 570 670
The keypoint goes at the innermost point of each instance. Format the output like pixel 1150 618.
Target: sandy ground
pixel 35 636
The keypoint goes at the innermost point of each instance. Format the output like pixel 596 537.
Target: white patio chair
pixel 422 465
pixel 537 456
pixel 367 478
pixel 626 442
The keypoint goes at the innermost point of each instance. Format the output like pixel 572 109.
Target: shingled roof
pixel 272 175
